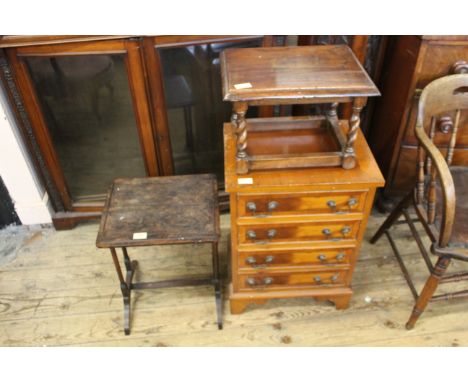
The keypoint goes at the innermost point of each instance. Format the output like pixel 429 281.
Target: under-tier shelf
pixel 294 142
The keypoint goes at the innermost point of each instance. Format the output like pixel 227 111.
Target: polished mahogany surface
pixel 307 72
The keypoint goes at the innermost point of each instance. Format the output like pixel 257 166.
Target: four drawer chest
pixel 297 233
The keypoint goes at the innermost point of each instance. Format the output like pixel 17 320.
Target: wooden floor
pixel 60 290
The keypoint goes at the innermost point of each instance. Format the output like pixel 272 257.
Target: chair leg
pixel 428 291
pixel 393 217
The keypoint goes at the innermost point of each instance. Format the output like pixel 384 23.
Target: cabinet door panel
pixel 89 114
pixel 194 106
pixel 87 107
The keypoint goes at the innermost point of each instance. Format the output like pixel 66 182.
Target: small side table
pixel 289 75
pixel 159 211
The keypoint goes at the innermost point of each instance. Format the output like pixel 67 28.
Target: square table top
pixel 294 72
pixel 160 210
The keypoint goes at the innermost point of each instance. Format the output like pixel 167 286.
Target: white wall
pixel 29 196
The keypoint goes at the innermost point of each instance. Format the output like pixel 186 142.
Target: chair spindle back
pixel 441 103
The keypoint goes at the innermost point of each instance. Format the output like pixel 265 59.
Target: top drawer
pixel 439 60
pixel 257 205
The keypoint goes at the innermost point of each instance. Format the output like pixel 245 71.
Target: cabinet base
pixel 240 300
pixel 68 220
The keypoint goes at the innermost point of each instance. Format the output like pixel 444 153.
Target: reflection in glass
pixel 196 111
pixel 87 106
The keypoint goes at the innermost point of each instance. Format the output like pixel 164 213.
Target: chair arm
pixel 448 187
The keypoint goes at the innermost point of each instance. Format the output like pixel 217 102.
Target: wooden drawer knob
pixel 331 204
pixel 345 230
pixel 251 260
pixel 273 205
pixel 445 124
pixel 460 67
pixel 334 278
pixel 268 280
pixel 269 259
pixel 251 235
pixel 352 202
pixel 322 257
pixel 317 279
pixel 340 256
pixel 326 231
pixel 271 233
pixel 251 206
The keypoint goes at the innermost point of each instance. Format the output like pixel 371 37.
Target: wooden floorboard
pixel 60 290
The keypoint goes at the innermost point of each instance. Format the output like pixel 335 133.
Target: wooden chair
pixel 440 193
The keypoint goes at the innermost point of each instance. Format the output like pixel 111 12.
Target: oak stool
pixel 159 211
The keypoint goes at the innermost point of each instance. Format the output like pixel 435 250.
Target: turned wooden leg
pixel 331 113
pixel 349 155
pixel 332 118
pixel 125 284
pixel 126 299
pixel 428 291
pixel 240 125
pixel 130 267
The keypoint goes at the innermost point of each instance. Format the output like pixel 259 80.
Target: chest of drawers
pixel 297 232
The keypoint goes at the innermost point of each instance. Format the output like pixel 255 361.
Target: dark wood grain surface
pixel 176 209
pixel 306 72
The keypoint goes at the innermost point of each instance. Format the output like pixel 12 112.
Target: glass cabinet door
pixel 90 117
pixel 87 106
pixel 194 104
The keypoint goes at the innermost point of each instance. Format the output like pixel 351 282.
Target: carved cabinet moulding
pixel 27 130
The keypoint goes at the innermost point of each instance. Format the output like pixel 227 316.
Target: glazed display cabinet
pixel 92 109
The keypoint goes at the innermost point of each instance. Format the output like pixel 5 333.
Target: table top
pixel 295 72
pixel 160 210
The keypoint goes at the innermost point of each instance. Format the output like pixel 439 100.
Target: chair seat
pixel 459 237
